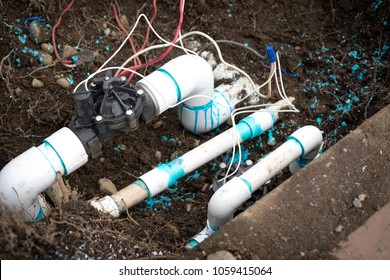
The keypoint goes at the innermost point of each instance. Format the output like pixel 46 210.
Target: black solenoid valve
pixel 108 106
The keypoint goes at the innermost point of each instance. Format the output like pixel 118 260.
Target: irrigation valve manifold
pixel 110 105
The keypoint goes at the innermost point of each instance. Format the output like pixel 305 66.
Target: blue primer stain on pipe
pixel 193 243
pixel 48 145
pixel 248 128
pixel 249 184
pixel 196 109
pixel 292 138
pixel 174 170
pixel 142 185
pixel 40 215
pixel 178 91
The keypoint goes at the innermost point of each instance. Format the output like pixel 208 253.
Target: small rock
pixel 114 35
pixel 47 48
pixel 297 48
pixel 45 58
pixel 188 207
pixel 271 142
pixel 357 203
pixel 37 83
pixel 339 228
pixel 157 124
pixel 18 90
pixel 302 254
pixel 122 147
pixel 63 82
pixel 102 159
pixel 125 21
pixel 221 255
pixel 362 197
pixel 196 143
pixel 107 31
pixel 205 187
pixel 158 155
pixel 69 51
pixel 174 230
pixel 104 25
pixel 175 155
pixel 39 32
pixel 106 186
pixel 86 56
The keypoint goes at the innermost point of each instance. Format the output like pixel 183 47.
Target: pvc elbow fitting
pixel 310 140
pixel 184 77
pixel 35 170
pixel 225 201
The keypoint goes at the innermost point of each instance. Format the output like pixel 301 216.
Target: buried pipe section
pixel 108 107
pixel 167 174
pixel 302 146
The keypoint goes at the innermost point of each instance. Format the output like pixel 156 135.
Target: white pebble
pixel 45 58
pixel 63 82
pixel 37 83
pixel 107 31
pixel 158 155
pixel 107 186
pixel 362 197
pixel 47 48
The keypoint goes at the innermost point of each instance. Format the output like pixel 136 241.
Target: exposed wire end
pixel 270 54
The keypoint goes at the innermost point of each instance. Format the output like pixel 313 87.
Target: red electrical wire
pixel 147 34
pixel 166 51
pixel 136 60
pixel 53 35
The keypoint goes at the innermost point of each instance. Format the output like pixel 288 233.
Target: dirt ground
pixel 335 56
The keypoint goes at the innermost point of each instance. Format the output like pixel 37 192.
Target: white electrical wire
pixel 283 93
pixel 103 70
pixel 244 110
pixel 219 55
pixel 235 141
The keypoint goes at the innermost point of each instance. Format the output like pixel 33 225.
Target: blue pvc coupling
pixel 270 54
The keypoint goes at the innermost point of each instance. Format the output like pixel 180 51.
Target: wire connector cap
pixel 270 54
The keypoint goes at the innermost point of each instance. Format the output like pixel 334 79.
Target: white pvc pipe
pixel 167 174
pixel 305 141
pixel 35 170
pixel 183 77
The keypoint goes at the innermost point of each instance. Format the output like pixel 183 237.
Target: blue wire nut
pixel 270 54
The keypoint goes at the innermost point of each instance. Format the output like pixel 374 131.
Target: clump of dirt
pixel 335 63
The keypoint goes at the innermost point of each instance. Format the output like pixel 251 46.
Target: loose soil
pixel 335 57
